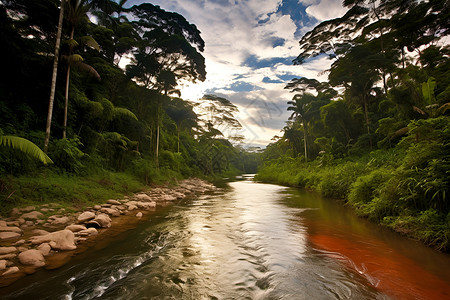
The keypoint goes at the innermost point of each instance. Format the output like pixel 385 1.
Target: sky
pixel 249 48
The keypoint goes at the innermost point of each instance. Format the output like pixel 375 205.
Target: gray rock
pixel 32 257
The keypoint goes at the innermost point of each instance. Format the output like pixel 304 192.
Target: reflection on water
pixel 247 241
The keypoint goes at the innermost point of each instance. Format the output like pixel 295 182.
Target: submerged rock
pixel 139 215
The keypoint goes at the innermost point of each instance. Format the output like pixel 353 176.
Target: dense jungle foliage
pixel 107 129
pixel 377 133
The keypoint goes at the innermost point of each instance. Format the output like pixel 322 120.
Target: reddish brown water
pixel 248 241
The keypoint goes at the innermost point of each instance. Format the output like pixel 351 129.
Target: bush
pixel 367 187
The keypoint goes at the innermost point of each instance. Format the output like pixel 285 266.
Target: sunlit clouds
pixel 249 50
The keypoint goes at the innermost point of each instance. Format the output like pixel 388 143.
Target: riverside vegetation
pixel 106 130
pixel 376 134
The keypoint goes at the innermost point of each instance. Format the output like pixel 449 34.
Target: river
pixel 248 240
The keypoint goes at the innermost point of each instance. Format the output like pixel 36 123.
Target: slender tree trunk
pixel 66 104
pixel 304 140
pixel 178 139
pixel 55 72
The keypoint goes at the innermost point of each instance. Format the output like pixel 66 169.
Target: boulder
pixel 32 257
pixel 146 205
pixel 86 216
pixel 7 250
pixel 75 227
pixel 3 223
pixel 60 221
pixel 8 235
pixel 44 248
pixel 59 240
pixel 110 211
pixel 97 207
pixel 88 232
pixel 113 202
pixel 103 220
pixel 10 271
pixel 139 215
pixel 132 207
pixel 34 215
pixel 11 228
pixel 142 197
pixel 100 221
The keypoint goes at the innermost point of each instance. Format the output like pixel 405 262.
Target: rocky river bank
pixel 45 236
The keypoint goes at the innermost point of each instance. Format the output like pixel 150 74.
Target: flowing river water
pixel 248 241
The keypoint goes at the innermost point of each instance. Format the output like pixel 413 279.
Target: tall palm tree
pixel 54 73
pixel 300 106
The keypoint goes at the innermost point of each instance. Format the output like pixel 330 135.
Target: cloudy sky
pixel 249 48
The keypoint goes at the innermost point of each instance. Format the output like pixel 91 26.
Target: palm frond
pixel 88 69
pixel 25 146
pixel 120 111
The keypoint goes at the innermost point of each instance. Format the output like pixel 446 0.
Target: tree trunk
pixel 66 104
pixel 55 72
pixel 304 140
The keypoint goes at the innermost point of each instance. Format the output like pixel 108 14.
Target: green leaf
pixel 428 90
pixel 26 146
pixel 120 111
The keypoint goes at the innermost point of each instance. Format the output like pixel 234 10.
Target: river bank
pixel 48 235
pixel 406 193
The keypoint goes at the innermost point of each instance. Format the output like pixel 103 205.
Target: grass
pixel 68 191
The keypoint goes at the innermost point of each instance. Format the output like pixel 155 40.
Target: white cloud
pixel 236 30
pixel 326 10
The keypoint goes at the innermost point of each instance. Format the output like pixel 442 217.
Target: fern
pixel 25 146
